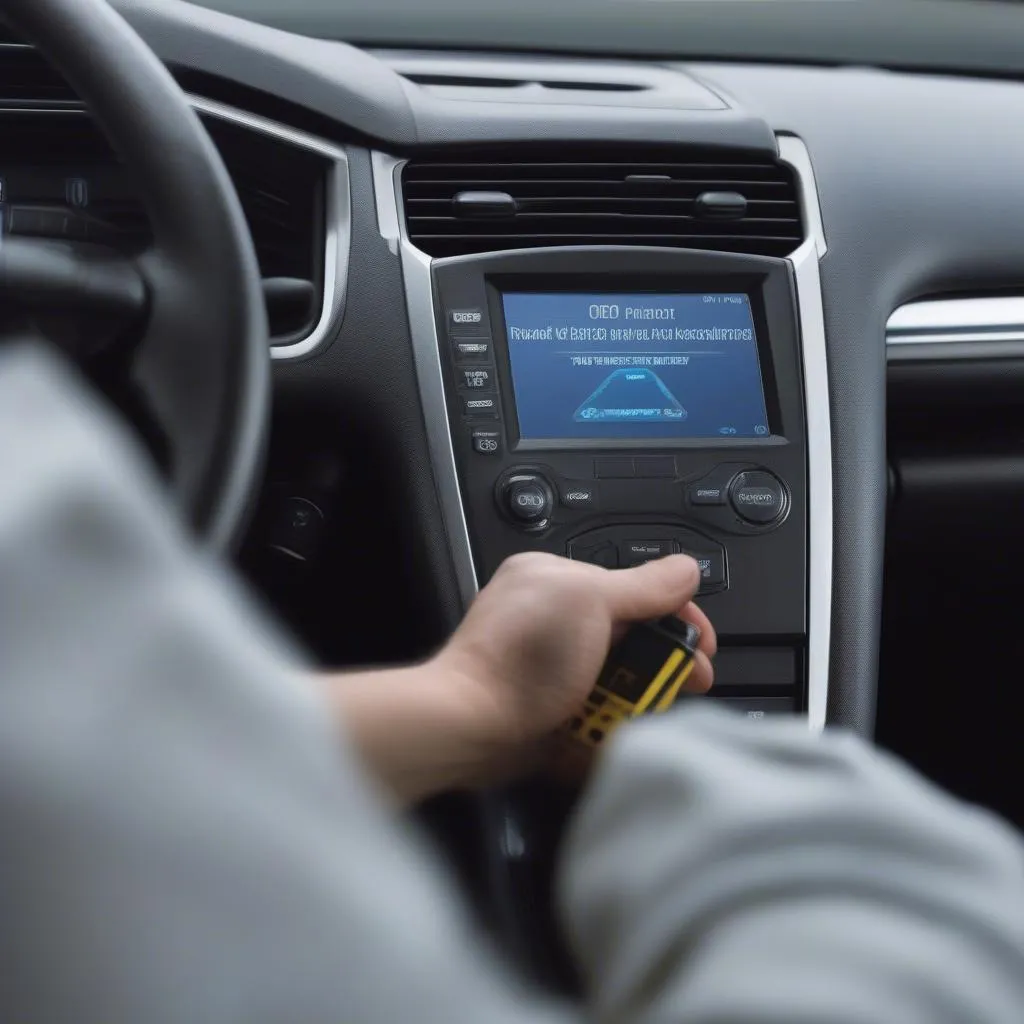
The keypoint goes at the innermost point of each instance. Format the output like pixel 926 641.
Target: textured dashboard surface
pixel 919 184
pixel 365 385
pixel 377 103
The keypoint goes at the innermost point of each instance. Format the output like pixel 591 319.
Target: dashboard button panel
pixel 636 552
pixel 633 545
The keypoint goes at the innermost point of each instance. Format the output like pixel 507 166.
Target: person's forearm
pixel 721 871
pixel 414 728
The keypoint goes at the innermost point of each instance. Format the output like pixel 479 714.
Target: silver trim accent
pixel 819 433
pixel 426 351
pixel 419 297
pixel 338 216
pixel 986 320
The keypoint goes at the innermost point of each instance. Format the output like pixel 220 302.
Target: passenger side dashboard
pixel 956 372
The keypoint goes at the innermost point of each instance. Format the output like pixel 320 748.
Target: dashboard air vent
pixel 27 78
pixel 281 189
pixel 655 197
pixel 61 179
pixel 439 81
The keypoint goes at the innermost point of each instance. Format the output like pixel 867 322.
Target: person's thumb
pixel 651 590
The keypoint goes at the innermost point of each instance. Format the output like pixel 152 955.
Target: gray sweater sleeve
pixel 183 840
pixel 725 871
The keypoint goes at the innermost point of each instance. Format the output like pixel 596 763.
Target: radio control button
pixel 712 570
pixel 527 500
pixel 475 350
pixel 758 497
pixel 636 552
pixel 467 321
pixel 487 442
pixel 482 406
pixel 477 378
pixel 707 492
pixel 578 496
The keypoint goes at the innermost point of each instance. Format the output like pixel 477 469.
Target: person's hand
pixel 521 665
pixel 530 650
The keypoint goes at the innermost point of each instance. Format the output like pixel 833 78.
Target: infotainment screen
pixel 625 366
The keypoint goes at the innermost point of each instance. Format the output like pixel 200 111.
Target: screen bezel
pixel 598 284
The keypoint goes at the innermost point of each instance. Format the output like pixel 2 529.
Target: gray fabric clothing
pixel 184 840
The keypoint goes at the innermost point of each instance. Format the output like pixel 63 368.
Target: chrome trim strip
pixel 819 433
pixel 338 216
pixel 419 297
pixel 957 321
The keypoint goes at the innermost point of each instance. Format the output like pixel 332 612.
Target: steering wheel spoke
pixel 38 274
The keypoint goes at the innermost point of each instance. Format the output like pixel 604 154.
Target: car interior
pixel 392 291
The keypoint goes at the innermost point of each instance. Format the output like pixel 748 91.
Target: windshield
pixel 947 35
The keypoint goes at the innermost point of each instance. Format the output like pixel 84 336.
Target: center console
pixel 612 404
pixel 616 405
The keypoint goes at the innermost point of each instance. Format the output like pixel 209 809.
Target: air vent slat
pixel 625 202
pixel 647 197
pixel 588 239
pixel 705 181
pixel 607 195
pixel 623 167
pixel 612 219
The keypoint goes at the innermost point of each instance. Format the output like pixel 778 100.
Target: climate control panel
pixel 734 497
pixel 743 522
pixel 622 547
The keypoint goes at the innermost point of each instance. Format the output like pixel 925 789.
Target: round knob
pixel 758 497
pixel 528 500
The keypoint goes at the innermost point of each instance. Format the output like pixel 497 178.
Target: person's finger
pixel 651 590
pixel 702 677
pixel 708 637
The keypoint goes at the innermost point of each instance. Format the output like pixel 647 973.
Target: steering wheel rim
pixel 203 358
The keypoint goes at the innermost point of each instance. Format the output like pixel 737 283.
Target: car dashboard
pixel 608 308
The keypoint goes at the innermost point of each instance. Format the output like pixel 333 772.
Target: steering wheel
pixel 191 306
